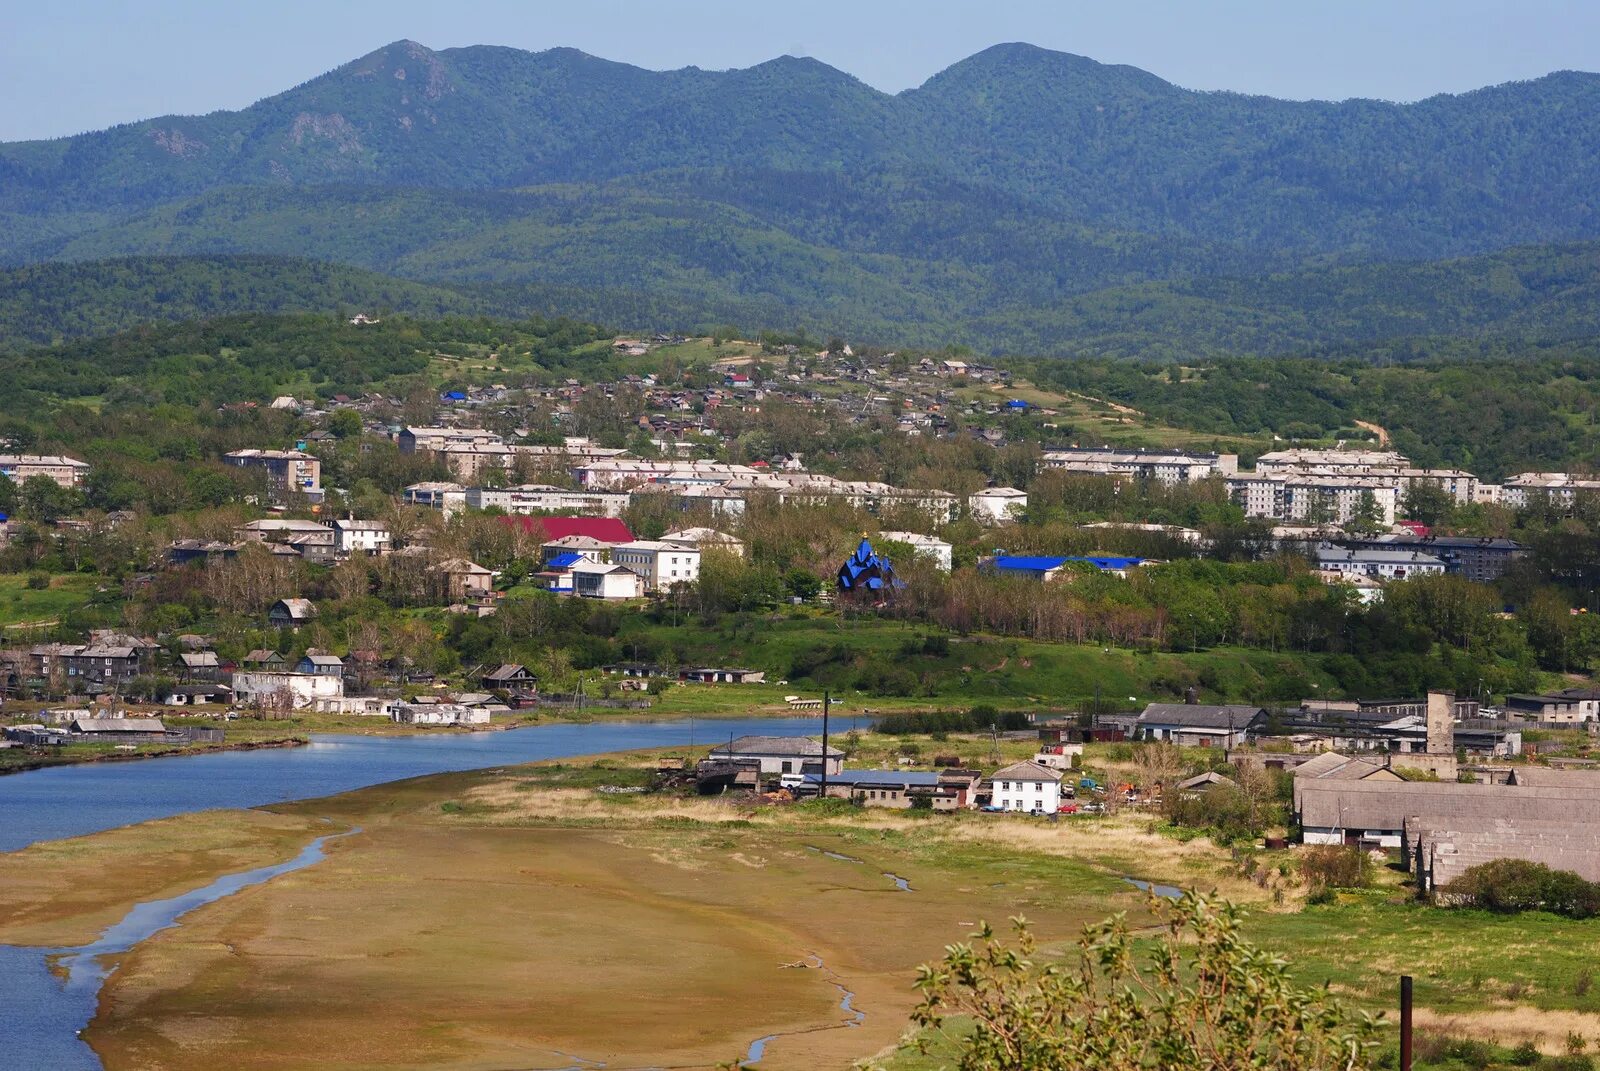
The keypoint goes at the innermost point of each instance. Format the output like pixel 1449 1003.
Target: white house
pixel 285 691
pixel 662 565
pixel 1027 787
pixel 997 505
pixel 931 548
pixel 596 581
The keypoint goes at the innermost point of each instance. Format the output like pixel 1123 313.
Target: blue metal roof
pixel 1026 564
pixel 565 560
pixel 1016 403
pixel 1110 563
pixel 1041 564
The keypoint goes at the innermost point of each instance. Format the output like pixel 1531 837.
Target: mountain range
pixel 1020 199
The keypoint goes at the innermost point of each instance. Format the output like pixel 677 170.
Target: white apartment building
pixel 1349 462
pixel 1558 488
pixel 543 498
pixel 1298 498
pixel 629 472
pixel 1392 468
pixel 1163 466
pixel 662 565
pixel 66 471
pixel 931 548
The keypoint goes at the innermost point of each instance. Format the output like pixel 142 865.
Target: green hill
pixel 734 270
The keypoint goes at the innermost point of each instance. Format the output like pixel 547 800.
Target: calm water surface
pixel 69 801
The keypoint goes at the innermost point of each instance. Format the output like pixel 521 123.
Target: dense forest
pixel 1492 410
pixel 45 303
pixel 1022 200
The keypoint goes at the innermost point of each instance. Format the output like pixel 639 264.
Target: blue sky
pixel 73 65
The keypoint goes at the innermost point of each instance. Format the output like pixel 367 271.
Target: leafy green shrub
pixel 1514 885
pixel 1222 810
pixel 1334 867
pixel 38 582
pixel 1204 997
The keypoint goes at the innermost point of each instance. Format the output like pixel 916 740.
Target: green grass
pixel 23 605
pixel 1460 959
pixel 1004 672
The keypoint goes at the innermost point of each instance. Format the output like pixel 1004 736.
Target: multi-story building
pixel 1162 466
pixel 289 472
pixel 1349 462
pixel 1313 498
pixel 471 462
pixel 413 440
pixel 1386 466
pixel 662 565
pixel 1559 489
pixel 437 494
pixel 628 472
pixel 66 471
pixel 542 498
pixel 1480 558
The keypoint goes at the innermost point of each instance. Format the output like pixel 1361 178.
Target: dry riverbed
pixel 530 918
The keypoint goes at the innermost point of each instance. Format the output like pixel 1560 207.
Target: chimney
pixel 1191 696
pixel 1441 723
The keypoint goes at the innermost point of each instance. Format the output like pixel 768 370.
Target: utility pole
pixel 827 699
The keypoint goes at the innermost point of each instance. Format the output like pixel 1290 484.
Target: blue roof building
pixel 867 571
pixel 1046 567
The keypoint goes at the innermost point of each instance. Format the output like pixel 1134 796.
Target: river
pixel 45 1011
pixel 70 801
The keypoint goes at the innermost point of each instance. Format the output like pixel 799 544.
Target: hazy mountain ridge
pixel 983 204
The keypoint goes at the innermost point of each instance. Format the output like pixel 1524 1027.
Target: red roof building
pixel 547 529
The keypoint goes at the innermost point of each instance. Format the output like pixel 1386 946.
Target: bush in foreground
pixel 1203 1000
pixel 1513 885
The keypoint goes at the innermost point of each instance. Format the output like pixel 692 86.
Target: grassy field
pixel 1094 421
pixel 24 605
pixel 1001 671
